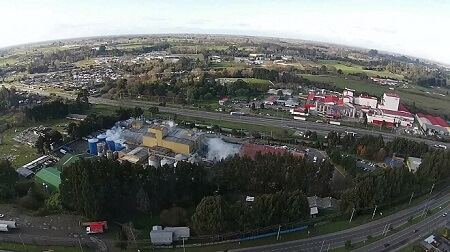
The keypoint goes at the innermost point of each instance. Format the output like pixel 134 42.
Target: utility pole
pixel 432 187
pixel 279 230
pixel 184 248
pixel 412 195
pixel 374 210
pixel 353 212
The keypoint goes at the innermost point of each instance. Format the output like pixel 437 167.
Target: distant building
pixel 413 163
pixel 286 92
pixel 316 203
pixel 223 101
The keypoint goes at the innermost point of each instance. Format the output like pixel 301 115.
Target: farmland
pixel 348 68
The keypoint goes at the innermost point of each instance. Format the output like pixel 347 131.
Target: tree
pixel 280 92
pixel 137 112
pixel 348 244
pixel 40 145
pixel 175 216
pixel 261 106
pixel 143 202
pixel 253 107
pixel 8 180
pixel 209 216
pixel 122 240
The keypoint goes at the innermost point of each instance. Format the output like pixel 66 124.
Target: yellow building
pixel 176 139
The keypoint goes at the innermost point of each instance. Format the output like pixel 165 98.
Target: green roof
pixel 49 176
pixel 66 160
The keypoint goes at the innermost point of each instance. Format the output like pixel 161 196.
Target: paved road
pixel 400 239
pixel 262 121
pixel 356 234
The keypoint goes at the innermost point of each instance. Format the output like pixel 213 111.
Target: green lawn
pixel 431 102
pixel 249 80
pixel 348 68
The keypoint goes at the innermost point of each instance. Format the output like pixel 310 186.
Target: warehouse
pixel 50 177
pixel 433 125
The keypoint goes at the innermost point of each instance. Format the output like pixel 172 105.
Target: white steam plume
pixel 218 149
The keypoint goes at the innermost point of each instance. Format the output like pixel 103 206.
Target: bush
pixel 348 244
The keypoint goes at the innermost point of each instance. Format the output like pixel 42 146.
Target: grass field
pixel 86 62
pixel 352 68
pixel 249 80
pixel 432 102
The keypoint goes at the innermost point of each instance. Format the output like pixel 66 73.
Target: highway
pixel 360 233
pixel 320 128
pixel 402 238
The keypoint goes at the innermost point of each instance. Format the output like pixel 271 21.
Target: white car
pixel 445 214
pixel 2 215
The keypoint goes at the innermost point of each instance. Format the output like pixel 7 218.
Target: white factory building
pixel 390 102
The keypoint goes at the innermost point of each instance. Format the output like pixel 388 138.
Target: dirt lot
pixel 52 225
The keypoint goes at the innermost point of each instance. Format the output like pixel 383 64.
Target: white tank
pixel 101 149
pixel 180 157
pixel 109 154
pixel 167 161
pixel 154 161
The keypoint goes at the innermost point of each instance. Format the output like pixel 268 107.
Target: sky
pixel 418 28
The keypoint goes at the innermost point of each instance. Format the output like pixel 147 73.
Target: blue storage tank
pixel 110 144
pixel 102 138
pixel 93 145
pixel 118 144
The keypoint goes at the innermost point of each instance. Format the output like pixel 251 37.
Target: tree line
pixel 214 215
pixel 270 173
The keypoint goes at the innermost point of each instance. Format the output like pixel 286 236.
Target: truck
pixel 299 118
pixel 9 224
pixel 4 228
pixel 96 227
pixel 335 123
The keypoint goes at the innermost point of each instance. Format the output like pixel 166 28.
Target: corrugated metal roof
pixel 49 176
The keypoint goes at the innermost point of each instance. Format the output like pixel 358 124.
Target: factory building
pixel 175 139
pixel 366 101
pixel 433 125
pixel 389 102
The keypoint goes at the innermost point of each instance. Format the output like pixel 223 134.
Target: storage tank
pixel 93 145
pixel 167 161
pixel 109 154
pixel 118 144
pixel 101 149
pixel 101 138
pixel 154 161
pixel 180 157
pixel 110 144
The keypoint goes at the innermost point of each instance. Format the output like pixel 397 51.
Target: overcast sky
pixel 413 27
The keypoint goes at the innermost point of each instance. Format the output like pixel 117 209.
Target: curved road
pixel 356 234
